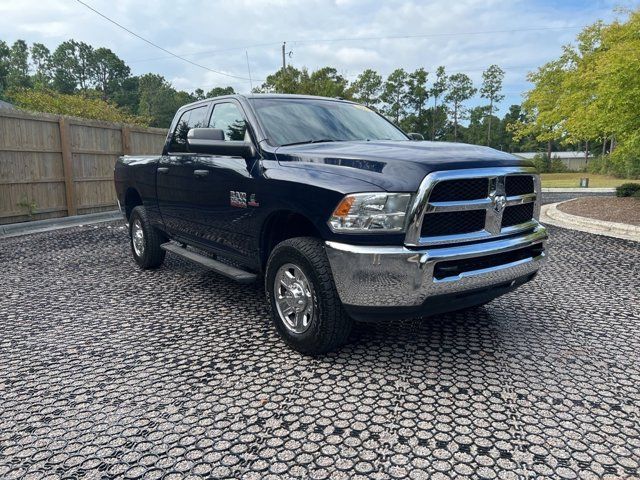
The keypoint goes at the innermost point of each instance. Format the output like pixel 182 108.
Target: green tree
pixel 220 91
pixel 198 94
pixel 476 131
pixel 512 117
pixel 73 63
pixel 367 87
pixel 18 71
pixel 459 89
pixel 288 80
pixel 394 95
pixel 180 98
pixel 127 96
pixel 325 82
pixel 42 66
pixel 589 95
pixel 511 143
pixel 613 77
pixel 5 60
pixel 579 85
pixel 491 87
pixel 544 120
pixel 438 88
pixel 64 61
pixel 158 99
pixel 107 72
pixel 436 122
pixel 417 96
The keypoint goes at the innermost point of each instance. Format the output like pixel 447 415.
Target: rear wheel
pixel 305 306
pixel 145 240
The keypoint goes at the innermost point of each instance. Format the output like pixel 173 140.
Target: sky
pixel 350 35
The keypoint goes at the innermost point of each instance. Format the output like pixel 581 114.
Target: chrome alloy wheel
pixel 294 298
pixel 137 237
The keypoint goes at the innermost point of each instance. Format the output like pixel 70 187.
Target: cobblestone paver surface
pixel 109 371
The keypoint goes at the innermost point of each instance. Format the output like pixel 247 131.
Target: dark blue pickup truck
pixel 341 214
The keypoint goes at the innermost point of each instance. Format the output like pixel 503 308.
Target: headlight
pixel 370 212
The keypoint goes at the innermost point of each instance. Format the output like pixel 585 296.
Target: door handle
pixel 201 173
pixel 163 169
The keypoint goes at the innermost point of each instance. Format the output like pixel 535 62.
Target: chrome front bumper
pixel 380 276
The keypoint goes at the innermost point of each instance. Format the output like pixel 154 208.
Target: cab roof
pixel 251 96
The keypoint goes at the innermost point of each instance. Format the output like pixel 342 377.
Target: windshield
pixel 294 121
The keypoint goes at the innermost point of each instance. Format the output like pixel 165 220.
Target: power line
pixel 158 46
pixel 204 53
pixel 208 53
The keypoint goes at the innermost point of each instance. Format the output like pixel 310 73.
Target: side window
pixel 194 118
pixel 227 117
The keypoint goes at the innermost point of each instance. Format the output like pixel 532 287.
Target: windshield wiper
pixel 318 140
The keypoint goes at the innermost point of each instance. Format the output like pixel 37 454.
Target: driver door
pixel 175 175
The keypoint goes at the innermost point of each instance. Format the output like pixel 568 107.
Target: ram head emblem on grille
pixel 499 202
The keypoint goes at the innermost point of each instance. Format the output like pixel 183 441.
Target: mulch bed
pixel 610 209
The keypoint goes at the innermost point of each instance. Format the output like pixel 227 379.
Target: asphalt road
pixel 553 197
pixel 110 371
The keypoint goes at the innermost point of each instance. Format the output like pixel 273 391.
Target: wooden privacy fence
pixel 53 166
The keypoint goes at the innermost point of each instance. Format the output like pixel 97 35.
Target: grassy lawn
pixel 572 179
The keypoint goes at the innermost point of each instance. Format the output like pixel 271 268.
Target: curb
pixel 39 226
pixel 579 190
pixel 553 216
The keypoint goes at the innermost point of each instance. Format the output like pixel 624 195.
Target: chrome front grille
pixel 465 205
pixel 463 189
pixel 444 223
pixel 517 214
pixel 518 185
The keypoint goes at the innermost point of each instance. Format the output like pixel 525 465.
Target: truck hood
pixel 392 165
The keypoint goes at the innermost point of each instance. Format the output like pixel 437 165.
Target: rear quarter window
pixel 194 118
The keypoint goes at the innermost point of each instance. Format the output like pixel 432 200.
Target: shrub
pixel 78 105
pixel 621 164
pixel 557 166
pixel 628 190
pixel 626 157
pixel 542 164
pixel 600 165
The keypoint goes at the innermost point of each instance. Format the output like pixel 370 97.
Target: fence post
pixel 67 163
pixel 126 141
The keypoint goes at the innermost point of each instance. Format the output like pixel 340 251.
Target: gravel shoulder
pixel 608 209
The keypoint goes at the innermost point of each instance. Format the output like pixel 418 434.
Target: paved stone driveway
pixel 108 371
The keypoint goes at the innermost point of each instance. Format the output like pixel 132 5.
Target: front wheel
pixel 305 306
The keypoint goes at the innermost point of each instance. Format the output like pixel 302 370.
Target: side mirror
pixel 211 141
pixel 415 136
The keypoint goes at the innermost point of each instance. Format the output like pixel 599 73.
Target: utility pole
pixel 246 52
pixel 284 64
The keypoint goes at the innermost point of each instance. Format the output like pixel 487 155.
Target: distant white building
pixel 575 161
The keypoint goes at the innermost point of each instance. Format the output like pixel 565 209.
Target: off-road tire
pixel 153 255
pixel 330 326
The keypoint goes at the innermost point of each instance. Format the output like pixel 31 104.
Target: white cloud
pixel 223 29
